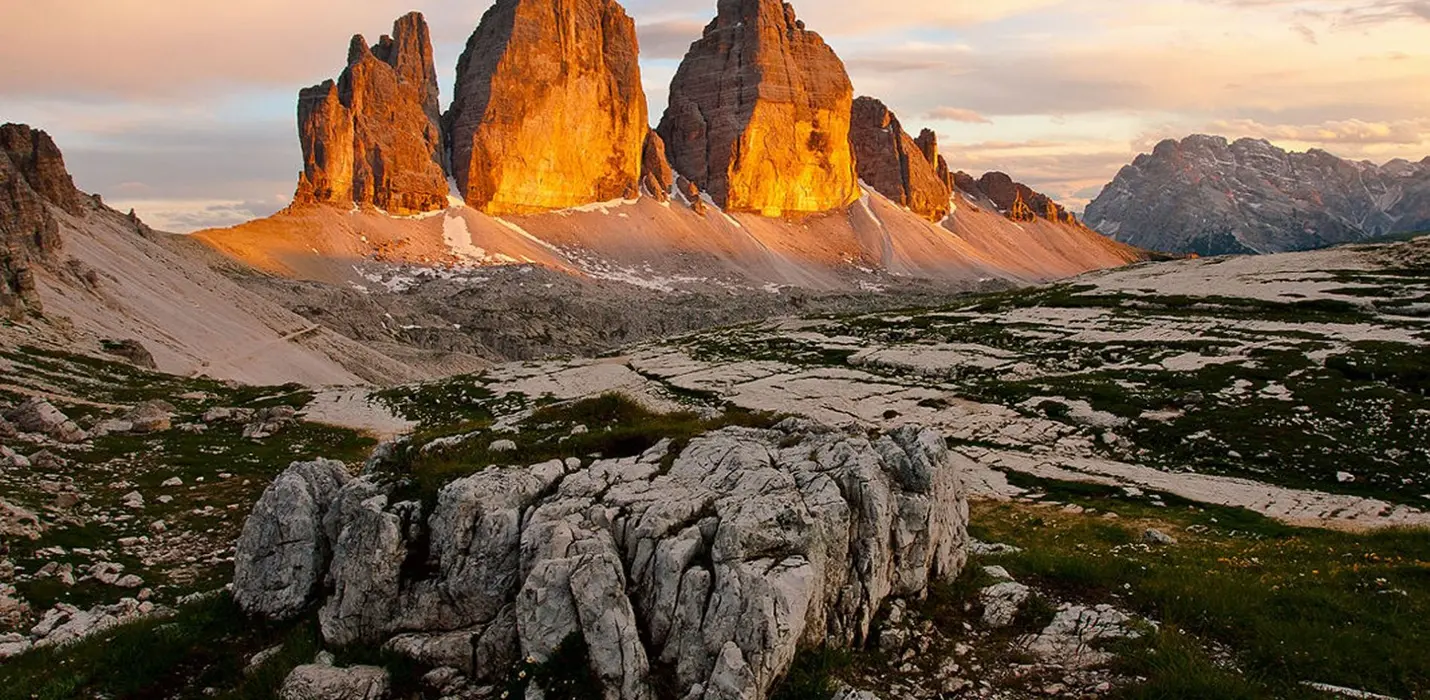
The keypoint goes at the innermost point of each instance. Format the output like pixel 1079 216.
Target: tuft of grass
pixel 814 674
pixel 616 427
pixel 1296 605
pixel 205 645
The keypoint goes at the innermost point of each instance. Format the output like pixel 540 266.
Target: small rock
pixel 257 660
pixel 133 499
pixel 1001 603
pixel 502 446
pixel 324 682
pixel 1158 538
pixel 172 482
pixel 129 581
pixel 1345 477
pixel 158 527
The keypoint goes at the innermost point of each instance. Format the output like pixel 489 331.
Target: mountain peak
pixel 1212 197
pixel 541 88
pixel 374 137
pixel 753 81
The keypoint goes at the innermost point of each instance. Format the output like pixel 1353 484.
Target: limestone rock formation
pixel 284 549
pixel 32 179
pixel 1015 200
pixel 759 114
pixel 928 143
pixel 896 166
pixel 374 137
pixel 549 111
pixel 656 175
pixel 752 544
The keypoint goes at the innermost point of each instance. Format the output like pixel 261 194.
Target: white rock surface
pixel 754 543
pixel 283 551
pixel 322 682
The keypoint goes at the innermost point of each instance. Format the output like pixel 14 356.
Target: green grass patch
pixel 1293 605
pixel 205 645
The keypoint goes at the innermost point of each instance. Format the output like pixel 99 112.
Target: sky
pixel 185 109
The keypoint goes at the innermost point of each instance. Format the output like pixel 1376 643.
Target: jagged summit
pixel 895 165
pixel 32 179
pixel 759 114
pixel 374 137
pixel 549 112
pixel 1205 194
pixel 1015 200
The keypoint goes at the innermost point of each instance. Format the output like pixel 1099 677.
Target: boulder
pixel 17 522
pixel 1002 602
pixel 759 114
pixel 151 417
pixel 131 350
pixel 283 551
pixel 374 137
pixel 893 164
pixel 549 111
pixel 37 415
pixel 754 544
pixel 322 682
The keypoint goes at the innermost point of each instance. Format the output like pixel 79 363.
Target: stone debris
pixel 1158 538
pixel 1074 638
pixel 754 543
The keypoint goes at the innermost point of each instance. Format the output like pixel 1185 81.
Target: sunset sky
pixel 184 109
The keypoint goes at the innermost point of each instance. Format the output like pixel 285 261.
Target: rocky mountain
pixel 1208 196
pixel 549 112
pixel 33 179
pixel 759 114
pixel 895 165
pixel 80 276
pixel 1015 200
pixel 374 137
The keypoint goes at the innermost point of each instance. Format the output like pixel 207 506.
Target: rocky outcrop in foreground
pixel 895 165
pixel 759 114
pixel 32 179
pixel 549 111
pixel 374 137
pixel 1209 196
pixel 714 570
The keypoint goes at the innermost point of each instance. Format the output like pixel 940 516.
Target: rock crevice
pixel 716 571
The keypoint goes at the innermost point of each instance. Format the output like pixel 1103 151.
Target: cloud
pixel 957 114
pixel 668 38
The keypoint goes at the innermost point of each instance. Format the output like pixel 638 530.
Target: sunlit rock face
pixel 759 114
pixel 549 112
pixel 1015 200
pixel 374 137
pixel 896 166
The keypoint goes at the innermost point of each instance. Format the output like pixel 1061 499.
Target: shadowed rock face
pixel 32 178
pixel 1209 196
pixel 928 143
pixel 374 137
pixel 759 114
pixel 894 164
pixel 549 112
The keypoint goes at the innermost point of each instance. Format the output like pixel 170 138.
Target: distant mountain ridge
pixel 1209 196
